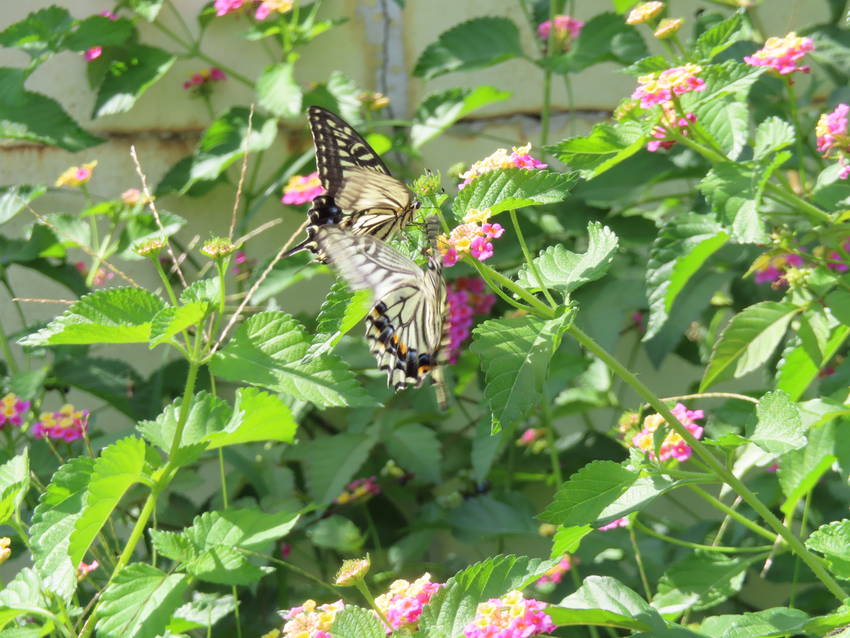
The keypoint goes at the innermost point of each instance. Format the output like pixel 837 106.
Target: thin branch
pixel 258 231
pixel 155 212
pixel 241 175
pixel 67 302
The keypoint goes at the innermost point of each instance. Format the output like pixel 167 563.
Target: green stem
pixel 528 260
pixel 294 568
pixel 164 278
pixel 361 587
pixel 732 513
pixel 798 138
pixel 647 590
pixel 718 468
pixel 7 351
pixel 708 548
pixel 538 306
pixel 549 428
pixel 547 82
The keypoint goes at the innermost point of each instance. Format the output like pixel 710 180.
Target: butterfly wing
pixel 406 328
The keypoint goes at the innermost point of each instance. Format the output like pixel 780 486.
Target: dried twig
pixel 67 302
pixel 241 175
pixel 257 231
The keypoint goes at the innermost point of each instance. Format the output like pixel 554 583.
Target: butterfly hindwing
pixel 407 327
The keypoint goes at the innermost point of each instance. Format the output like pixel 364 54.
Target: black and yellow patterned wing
pixel 407 327
pixel 361 194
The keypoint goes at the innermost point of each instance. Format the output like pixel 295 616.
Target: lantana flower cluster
pixel 673 446
pixel 662 88
pixel 511 616
pixel 555 574
pixel 567 29
pixel 466 297
pixel 100 277
pixel 301 189
pixel 84 569
pixel 519 157
pixel 68 424
pixel 772 268
pixel 402 604
pixel 534 439
pixel 200 81
pixel 12 410
pixel 781 55
pixel 263 11
pixel 472 237
pixel 669 119
pixel 76 175
pixel 644 12
pixel 833 137
pixel 617 522
pixel 311 620
pixel 359 489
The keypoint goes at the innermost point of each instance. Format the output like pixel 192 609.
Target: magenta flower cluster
pixel 555 574
pixel 833 137
pixel 663 86
pixel 66 424
pixel 567 29
pixel 673 446
pixel 511 616
pixel 12 410
pixel 402 604
pixel 359 489
pixel 466 298
pixel 301 189
pixel 202 78
pixel 781 55
pixel 263 11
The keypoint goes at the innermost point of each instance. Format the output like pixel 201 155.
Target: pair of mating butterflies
pixel 347 227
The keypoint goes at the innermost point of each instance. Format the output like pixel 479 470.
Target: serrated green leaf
pixel 354 622
pixel 257 416
pixel 416 448
pixel 118 467
pixel 583 497
pixel 727 122
pixel 801 469
pixel 779 428
pixel 23 596
pixel 515 355
pixel 604 38
pixel 224 566
pixel 53 521
pixel 439 111
pixel 278 92
pixel 226 140
pixel 474 44
pixel 486 447
pixel 773 134
pixel 680 249
pixel 564 271
pixel 748 340
pixel 139 601
pixel 269 350
pixel 133 70
pixel 604 600
pixel 768 623
pixel 14 484
pixel 513 188
pixel 329 463
pixel 341 311
pixel 336 533
pixel 248 529
pixel 13 199
pixel 730 77
pixel 148 9
pixel 204 610
pixel 170 320
pixel 605 147
pixel 734 189
pixel 568 539
pixel 797 370
pixel 838 302
pixel 453 606
pixel 719 37
pixel 112 380
pixel 40 34
pixel 115 315
pixel 700 581
pixel 833 541
pixel 98 30
pixel 33 117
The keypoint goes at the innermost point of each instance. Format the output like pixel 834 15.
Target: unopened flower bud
pixel 149 247
pixel 352 570
pixel 668 27
pixel 218 247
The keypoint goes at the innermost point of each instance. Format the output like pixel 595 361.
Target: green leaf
pixel 486 447
pixel 485 517
pixel 23 596
pixel 112 380
pixel 257 416
pixel 680 249
pixel 748 340
pixel 341 311
pixel 118 468
pixel 278 92
pixel 416 448
pixel 224 566
pixel 40 34
pixel 226 140
pixel 719 37
pixel 779 428
pixel 329 463
pixel 98 30
pixel 453 606
pixel 797 370
pixel 833 541
pixel 604 38
pixel 515 355
pixel 139 601
pixel 606 146
pixel 171 320
pixel 474 44
pixel 513 188
pixel 773 134
pixel 823 625
pixel 602 600
pixel 439 111
pixel 354 622
pixel 270 349
pixel 13 199
pixel 148 9
pixel 14 484
pixel 568 539
pixel 336 533
pixel 727 78
pixel 33 117
pixel 838 302
pixel 53 521
pixel 582 498
pixel 248 529
pixel 801 469
pixel 699 582
pixel 115 315
pixel 564 271
pixel 768 623
pixel 204 610
pixel 727 122
pixel 133 69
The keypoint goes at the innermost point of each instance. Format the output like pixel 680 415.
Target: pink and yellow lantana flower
pixel 472 237
pixel 567 29
pixel 12 410
pixel 76 175
pixel 311 620
pixel 833 137
pixel 301 189
pixel 781 55
pixel 511 616
pixel 67 424
pixel 402 604
pixel 519 157
pixel 673 446
pixel 466 297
